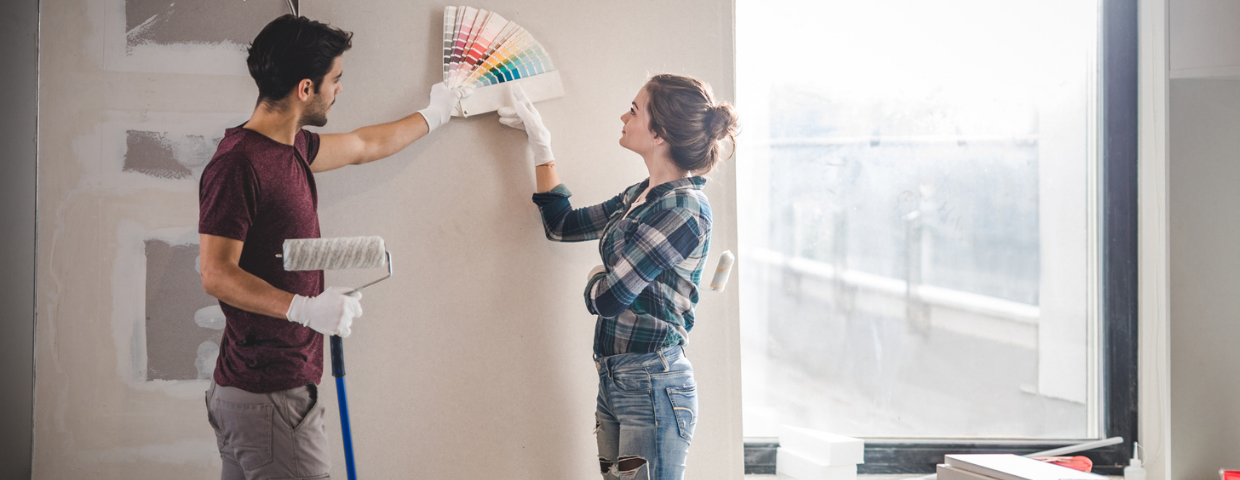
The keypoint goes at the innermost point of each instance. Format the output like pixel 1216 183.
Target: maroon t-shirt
pixel 261 192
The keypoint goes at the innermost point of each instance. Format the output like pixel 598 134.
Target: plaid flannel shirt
pixel 653 255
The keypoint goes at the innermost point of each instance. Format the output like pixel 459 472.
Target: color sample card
pixel 449 23
pixel 482 48
pixel 464 25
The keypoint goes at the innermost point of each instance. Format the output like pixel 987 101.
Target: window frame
pixel 1118 282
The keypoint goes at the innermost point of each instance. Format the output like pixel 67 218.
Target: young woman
pixel 654 238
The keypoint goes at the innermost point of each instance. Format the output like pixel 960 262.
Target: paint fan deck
pixel 485 51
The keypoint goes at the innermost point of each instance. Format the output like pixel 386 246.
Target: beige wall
pixel 474 360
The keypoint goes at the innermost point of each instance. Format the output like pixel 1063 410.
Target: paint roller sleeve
pixel 722 271
pixel 334 253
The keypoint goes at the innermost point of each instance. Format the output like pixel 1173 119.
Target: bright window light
pixel 918 217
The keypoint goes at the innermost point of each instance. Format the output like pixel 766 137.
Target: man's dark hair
pixel 291 49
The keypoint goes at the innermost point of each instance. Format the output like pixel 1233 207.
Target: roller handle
pixel 337 356
pixel 343 402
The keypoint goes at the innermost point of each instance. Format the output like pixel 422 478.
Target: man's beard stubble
pixel 317 117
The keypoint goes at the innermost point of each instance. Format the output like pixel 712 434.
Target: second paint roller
pixel 334 254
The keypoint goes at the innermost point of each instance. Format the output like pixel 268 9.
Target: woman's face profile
pixel 636 135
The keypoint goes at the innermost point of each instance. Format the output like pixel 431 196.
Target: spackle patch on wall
pixel 197 21
pixel 165 327
pixel 184 36
pixel 183 323
pixel 166 155
pixel 136 151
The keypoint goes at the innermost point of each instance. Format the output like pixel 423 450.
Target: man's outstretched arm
pixel 368 144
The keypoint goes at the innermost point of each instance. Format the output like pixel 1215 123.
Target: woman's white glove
pixel 523 116
pixel 330 313
pixel 595 271
pixel 443 102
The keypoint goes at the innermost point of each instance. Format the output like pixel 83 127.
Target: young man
pixel 257 191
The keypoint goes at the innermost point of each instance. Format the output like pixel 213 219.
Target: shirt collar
pixel 659 191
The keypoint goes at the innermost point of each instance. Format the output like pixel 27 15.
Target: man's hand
pixel 443 101
pixel 330 313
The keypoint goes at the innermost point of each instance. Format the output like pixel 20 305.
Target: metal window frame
pixel 1118 58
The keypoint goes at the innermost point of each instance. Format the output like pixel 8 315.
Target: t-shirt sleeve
pixel 228 198
pixel 312 145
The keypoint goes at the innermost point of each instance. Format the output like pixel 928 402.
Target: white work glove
pixel 595 271
pixel 443 102
pixel 523 115
pixel 330 313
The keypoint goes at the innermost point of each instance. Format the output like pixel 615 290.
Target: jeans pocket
pixel 632 381
pixel 684 408
pixel 247 431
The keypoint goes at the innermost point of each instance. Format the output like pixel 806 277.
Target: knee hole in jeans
pixel 628 466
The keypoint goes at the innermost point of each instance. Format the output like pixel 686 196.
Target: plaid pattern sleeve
pixel 648 247
pixel 564 224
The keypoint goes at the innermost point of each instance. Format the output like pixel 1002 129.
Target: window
pixel 938 225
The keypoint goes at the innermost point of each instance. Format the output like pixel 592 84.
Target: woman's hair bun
pixel 722 121
pixel 684 113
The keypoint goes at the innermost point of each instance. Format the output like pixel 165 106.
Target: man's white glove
pixel 443 102
pixel 523 115
pixel 330 313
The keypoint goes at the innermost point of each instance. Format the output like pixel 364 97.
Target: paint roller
pixel 723 270
pixel 334 254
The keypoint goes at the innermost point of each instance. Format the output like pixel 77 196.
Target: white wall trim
pixel 1154 392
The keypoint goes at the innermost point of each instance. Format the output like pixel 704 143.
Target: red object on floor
pixel 1078 462
pixel 1229 474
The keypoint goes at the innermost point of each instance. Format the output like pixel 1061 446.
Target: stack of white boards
pixel 813 455
pixel 1006 467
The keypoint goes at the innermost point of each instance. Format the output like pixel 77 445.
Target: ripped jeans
pixel 647 411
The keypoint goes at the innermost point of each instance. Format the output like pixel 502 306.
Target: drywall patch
pixel 175 344
pixel 162 22
pixel 134 151
pixel 167 155
pixel 141 343
pixel 193 37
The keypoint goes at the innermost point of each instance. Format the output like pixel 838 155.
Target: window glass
pixel 917 217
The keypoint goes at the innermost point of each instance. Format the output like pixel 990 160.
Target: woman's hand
pixel 523 115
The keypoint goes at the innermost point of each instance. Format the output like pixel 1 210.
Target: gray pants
pixel 269 435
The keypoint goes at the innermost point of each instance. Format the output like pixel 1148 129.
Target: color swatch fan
pixel 484 51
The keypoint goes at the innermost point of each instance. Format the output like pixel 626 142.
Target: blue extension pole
pixel 343 401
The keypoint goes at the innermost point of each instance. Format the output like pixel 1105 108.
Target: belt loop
pixel 664 360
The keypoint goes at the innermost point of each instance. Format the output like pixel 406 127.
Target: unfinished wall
pixel 19 49
pixel 473 361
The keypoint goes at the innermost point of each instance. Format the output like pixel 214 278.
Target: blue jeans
pixel 647 410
